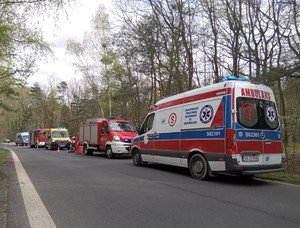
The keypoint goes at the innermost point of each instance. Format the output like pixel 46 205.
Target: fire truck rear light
pixel 230 141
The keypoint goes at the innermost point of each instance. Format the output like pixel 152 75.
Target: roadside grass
pixel 3 154
pixel 286 177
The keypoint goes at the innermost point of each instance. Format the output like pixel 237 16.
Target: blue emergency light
pixel 236 78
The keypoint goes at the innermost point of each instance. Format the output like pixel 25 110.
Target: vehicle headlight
pixel 116 138
pixel 53 140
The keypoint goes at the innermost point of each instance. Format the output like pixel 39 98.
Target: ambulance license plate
pixel 250 158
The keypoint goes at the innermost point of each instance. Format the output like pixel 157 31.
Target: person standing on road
pixel 72 146
pixel 37 142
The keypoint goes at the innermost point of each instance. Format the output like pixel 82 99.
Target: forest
pixel 151 50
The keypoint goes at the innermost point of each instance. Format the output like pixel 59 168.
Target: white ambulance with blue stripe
pixel 229 127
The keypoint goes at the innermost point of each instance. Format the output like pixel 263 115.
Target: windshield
pixel 122 127
pixel 41 133
pixel 60 134
pixel 257 113
pixel 25 137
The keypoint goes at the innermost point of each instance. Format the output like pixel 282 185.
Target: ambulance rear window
pixel 257 113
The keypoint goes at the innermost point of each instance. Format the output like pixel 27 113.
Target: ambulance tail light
pixel 230 141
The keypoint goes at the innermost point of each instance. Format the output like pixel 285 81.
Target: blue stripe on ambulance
pixel 218 133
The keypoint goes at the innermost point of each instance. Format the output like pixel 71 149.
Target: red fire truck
pixel 37 137
pixel 112 136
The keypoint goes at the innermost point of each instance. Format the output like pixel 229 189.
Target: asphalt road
pixel 93 191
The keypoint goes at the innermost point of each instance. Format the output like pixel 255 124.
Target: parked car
pixel 7 140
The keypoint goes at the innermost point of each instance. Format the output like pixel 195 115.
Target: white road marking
pixel 37 213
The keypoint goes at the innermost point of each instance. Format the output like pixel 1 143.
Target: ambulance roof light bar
pixel 236 78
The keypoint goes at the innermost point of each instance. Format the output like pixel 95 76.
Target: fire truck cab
pixel 37 137
pixel 231 126
pixel 112 136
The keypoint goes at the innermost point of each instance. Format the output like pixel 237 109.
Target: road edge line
pixel 36 211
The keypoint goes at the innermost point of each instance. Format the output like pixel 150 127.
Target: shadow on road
pixel 231 179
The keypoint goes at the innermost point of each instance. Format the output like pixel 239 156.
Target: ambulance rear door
pixel 258 134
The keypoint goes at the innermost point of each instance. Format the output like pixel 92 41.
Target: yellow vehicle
pixel 57 137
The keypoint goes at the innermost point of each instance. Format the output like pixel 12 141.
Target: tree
pixel 21 44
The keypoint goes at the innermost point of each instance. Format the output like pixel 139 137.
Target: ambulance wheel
pixel 198 167
pixel 137 158
pixel 109 152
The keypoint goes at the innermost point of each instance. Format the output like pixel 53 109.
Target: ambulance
pixel 57 138
pixel 228 127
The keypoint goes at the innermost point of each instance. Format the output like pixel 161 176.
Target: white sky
pixel 78 22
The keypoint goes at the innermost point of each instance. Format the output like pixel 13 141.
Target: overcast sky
pixel 72 28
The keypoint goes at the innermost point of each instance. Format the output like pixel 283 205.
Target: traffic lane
pixel 94 191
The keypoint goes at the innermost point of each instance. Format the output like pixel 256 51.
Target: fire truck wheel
pixel 198 167
pixel 136 158
pixel 109 152
pixel 87 151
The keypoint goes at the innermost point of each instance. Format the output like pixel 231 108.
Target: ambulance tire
pixel 137 158
pixel 109 152
pixel 198 167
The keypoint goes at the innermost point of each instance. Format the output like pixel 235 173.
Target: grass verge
pixel 3 154
pixel 286 177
